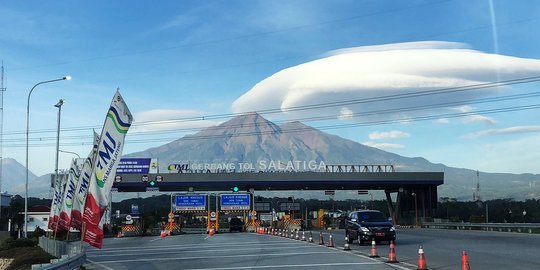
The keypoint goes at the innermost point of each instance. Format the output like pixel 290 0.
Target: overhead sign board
pixel 289 206
pixel 330 192
pixel 137 166
pixel 262 206
pixel 190 202
pixel 235 202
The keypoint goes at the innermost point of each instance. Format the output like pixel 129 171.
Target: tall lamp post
pixel 415 208
pixel 27 130
pixel 69 152
pixel 59 106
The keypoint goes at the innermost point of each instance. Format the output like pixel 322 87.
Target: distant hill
pixel 251 138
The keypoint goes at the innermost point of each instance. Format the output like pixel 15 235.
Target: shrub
pixel 21 242
pixel 38 232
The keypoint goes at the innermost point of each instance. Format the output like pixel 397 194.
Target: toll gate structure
pixel 415 190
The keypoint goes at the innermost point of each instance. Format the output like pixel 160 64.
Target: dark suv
pixel 236 224
pixel 367 225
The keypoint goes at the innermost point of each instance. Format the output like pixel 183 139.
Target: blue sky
pixel 175 59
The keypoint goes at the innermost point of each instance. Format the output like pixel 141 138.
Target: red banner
pixel 92 215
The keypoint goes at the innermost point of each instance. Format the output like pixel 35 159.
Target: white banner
pixel 69 193
pixel 109 152
pixel 82 186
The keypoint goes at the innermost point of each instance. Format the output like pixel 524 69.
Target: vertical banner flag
pixel 109 152
pixel 57 198
pixel 69 193
pixel 82 186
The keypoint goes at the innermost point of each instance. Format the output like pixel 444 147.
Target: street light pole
pixel 27 131
pixel 59 106
pixel 68 152
pixel 415 208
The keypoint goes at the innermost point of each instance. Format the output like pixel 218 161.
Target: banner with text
pixel 82 186
pixel 117 123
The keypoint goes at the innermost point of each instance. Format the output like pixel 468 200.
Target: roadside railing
pixel 70 255
pixel 501 227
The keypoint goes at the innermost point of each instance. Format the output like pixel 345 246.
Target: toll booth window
pixel 372 216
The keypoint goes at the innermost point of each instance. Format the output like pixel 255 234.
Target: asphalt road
pixel 224 251
pixel 487 250
pixel 442 248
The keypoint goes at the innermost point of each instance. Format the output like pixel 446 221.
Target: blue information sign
pixel 190 202
pixel 235 202
pixel 137 166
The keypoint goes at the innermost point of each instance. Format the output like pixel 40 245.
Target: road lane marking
pixel 161 251
pixel 287 266
pixel 99 264
pixel 214 257
pixel 183 246
pixel 154 239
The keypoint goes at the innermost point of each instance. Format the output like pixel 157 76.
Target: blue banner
pixel 190 202
pixel 235 202
pixel 137 166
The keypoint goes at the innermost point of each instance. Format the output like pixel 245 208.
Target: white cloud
pixel 442 121
pixel 374 71
pixel 162 120
pixel 503 131
pixel 388 135
pixel 345 114
pixel 384 146
pixel 474 118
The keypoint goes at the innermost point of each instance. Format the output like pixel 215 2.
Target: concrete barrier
pixel 70 255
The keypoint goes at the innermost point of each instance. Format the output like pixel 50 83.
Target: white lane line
pixel 183 247
pixel 214 257
pixel 287 266
pixel 99 264
pixel 165 251
pixel 207 237
pixel 154 239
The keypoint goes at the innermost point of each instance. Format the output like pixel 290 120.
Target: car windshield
pixel 371 217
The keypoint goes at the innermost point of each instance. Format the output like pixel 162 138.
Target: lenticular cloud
pixel 374 71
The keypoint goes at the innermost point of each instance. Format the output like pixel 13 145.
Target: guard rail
pixel 506 227
pixel 71 255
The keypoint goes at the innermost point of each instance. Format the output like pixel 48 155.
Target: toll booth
pixel 190 212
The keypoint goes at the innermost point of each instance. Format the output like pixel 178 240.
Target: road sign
pixel 289 206
pixel 171 215
pixel 128 217
pixel 330 192
pixel 190 202
pixel 235 202
pixel 262 206
pixel 212 216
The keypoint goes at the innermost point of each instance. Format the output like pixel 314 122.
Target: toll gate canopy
pixel 414 189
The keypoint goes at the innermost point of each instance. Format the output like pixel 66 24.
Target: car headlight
pixel 364 229
pixel 392 229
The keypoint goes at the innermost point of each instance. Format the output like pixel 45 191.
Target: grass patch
pixel 24 257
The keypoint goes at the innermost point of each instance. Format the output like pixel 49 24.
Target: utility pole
pixel 2 90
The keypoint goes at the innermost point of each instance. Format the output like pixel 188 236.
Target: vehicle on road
pixel 368 225
pixel 236 224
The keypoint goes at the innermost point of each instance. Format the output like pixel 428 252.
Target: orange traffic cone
pixel 119 234
pixel 465 261
pixel 321 239
pixel 211 232
pixel 168 233
pixel 373 252
pixel 310 237
pixel 330 241
pixel 392 255
pixel 303 236
pixel 297 236
pixel 346 246
pixel 421 259
pixel 162 234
